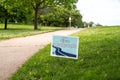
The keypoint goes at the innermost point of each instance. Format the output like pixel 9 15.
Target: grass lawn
pixel 23 30
pixel 99 59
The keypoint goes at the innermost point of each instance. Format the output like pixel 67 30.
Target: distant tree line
pixel 91 24
pixel 42 12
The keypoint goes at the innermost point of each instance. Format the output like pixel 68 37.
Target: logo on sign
pixel 64 46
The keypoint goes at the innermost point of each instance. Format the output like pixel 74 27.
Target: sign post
pixel 70 21
pixel 65 46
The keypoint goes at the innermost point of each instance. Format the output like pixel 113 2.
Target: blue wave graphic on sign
pixel 59 52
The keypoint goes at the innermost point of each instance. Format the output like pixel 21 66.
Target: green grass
pixel 15 30
pixel 99 59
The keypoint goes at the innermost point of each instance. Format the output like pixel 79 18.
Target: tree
pixel 5 11
pixel 1 13
pixel 85 24
pixel 14 10
pixel 59 16
pixel 37 5
pixel 7 7
pixel 91 23
pixel 98 24
pixel 76 18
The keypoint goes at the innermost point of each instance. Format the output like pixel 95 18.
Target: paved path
pixel 14 52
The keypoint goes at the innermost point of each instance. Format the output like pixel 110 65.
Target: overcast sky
pixel 105 12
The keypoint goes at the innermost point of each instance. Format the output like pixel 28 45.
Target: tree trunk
pixel 36 19
pixel 5 23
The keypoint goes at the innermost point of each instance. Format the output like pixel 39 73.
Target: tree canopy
pixel 44 12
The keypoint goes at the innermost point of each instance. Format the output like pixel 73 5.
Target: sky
pixel 105 12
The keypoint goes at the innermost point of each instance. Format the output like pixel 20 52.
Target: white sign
pixel 65 46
